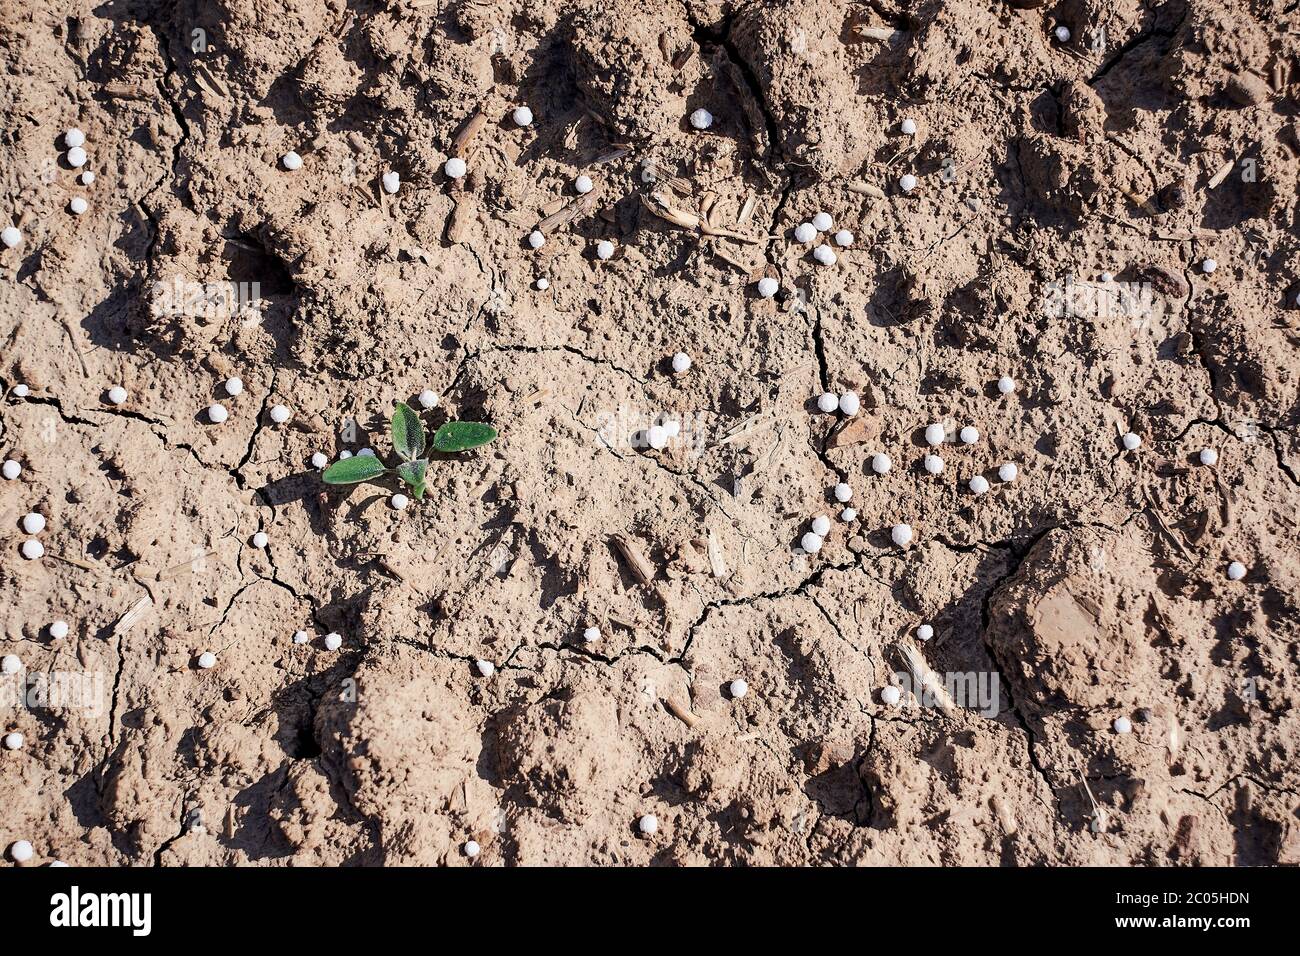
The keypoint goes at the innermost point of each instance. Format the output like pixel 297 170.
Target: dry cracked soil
pixel 1024 201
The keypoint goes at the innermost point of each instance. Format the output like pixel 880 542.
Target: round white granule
pixel 825 255
pixel 1209 456
pixel 366 453
pixel 234 386
pixel 11 469
pixel 767 287
pixel 59 630
pixel 344 455
pixel 280 414
pixel 850 404
pixel 21 851
pixel 901 534
pixel 471 847
pixel 828 402
pixel 701 119
pixel 822 221
pixel 849 514
pixel 908 126
pixel 522 116
pixel 1062 34
pixel 582 185
pixel 890 695
pixel 657 437
pixel 319 460
pixel 648 824
pixel 925 632
pixel 1008 472
pixel 821 526
pixel 78 205
pixel 10 664
pixel 261 539
pixel 1006 385
pixel 117 395
pixel 291 161
pixel 13 741
pixel 681 363
pixel 907 183
pixel 21 391
pixel 805 232
pixel 604 250
pixel 217 414
pixel 843 492
pixel 979 484
pixel 1208 266
pixel 843 238
pixel 428 398
pixel 738 689
pixel 10 236
pixel 970 435
pixel 933 464
pixel 934 434
pixel 485 668
pixel 207 660
pixel 536 239
pixel 881 464
pixel 33 549
pixel 1131 441
pixel 74 137
pixel 810 542
pixel 1236 571
pixel 1123 725
pixel 591 634
pixel 672 427
pixel 399 502
pixel 333 641
pixel 391 181
pixel 300 637
pixel 86 178
pixel 454 167
pixel 76 157
pixel 33 522
pixel 543 283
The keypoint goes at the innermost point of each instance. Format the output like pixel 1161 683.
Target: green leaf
pixel 460 436
pixel 351 470
pixel 412 472
pixel 408 432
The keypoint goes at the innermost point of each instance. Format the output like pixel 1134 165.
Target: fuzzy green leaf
pixel 412 472
pixel 460 436
pixel 351 470
pixel 408 432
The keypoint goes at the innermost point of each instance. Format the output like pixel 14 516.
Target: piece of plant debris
pixel 409 442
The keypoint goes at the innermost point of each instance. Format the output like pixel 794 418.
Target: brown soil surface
pixel 1092 588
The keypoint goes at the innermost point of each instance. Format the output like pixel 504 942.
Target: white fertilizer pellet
pixel 10 664
pixel 925 632
pixel 978 485
pixel 1008 472
pixel 333 641
pixel 10 236
pixel 207 660
pixel 33 523
pixel 822 222
pixel 78 205
pixel 1208 456
pixel 536 239
pixel 1006 385
pixel 428 399
pixel 485 668
pixel 591 634
pixel 843 238
pixel 13 741
pixel 76 157
pixel 907 183
pixel 604 250
pixel 319 460
pixel 454 167
pixel 648 824
pixel 890 695
pixel 811 542
pixel 399 502
pixel 261 539
pixel 1131 441
pixel 280 414
pixel 59 630
pixel 522 116
pixel 843 492
pixel 738 689
pixel 11 469
pixel 1236 571
pixel 117 395
pixel 33 549
pixel 828 402
pixel 471 847
pixel 300 637
pixel 701 119
pixel 908 126
pixel 933 464
pixel 969 435
pixel 850 404
pixel 582 185
pixel 21 851
pixel 234 386
pixel 881 464
pixel 217 414
pixel 1123 725
pixel 821 526
pixel 74 137
pixel 901 535
pixel 825 255
pixel 934 434
pixel 391 182
pixel 767 287
pixel 805 232
pixel 291 161
pixel 681 363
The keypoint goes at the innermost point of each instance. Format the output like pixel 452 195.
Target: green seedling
pixel 409 443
